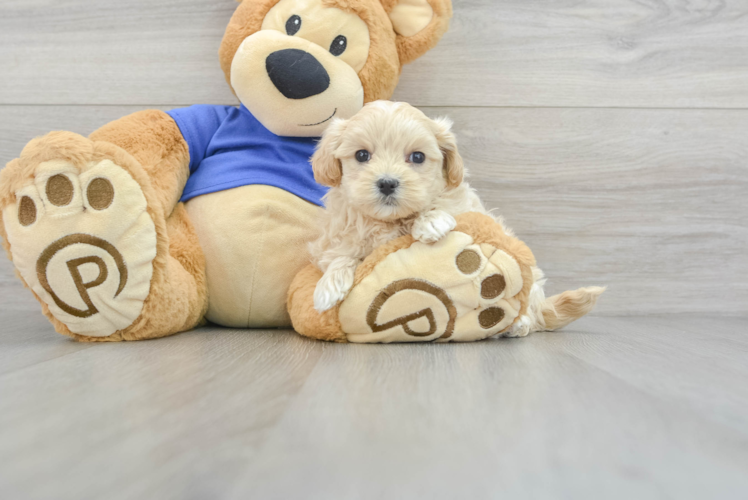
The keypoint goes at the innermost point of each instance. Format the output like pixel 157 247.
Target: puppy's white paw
pixel 333 287
pixel 520 328
pixel 433 226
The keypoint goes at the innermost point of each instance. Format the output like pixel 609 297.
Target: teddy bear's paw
pixel 454 290
pixel 83 240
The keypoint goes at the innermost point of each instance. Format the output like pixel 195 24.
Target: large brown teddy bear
pixel 159 220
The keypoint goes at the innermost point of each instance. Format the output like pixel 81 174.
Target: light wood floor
pixel 611 408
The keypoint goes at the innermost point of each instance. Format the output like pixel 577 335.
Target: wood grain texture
pixel 131 423
pixel 649 202
pixel 609 408
pixel 590 53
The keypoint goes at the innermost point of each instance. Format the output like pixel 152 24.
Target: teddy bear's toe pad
pixel 454 290
pixel 83 240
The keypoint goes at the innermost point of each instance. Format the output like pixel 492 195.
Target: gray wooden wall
pixel 612 134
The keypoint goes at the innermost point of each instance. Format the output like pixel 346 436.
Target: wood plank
pixel 23 123
pixel 130 52
pixel 609 408
pixel 171 416
pixel 650 202
pixel 640 351
pixel 500 419
pixel 590 53
pixel 27 337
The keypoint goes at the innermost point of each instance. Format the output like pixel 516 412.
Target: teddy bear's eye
pixel 363 156
pixel 293 25
pixel 339 45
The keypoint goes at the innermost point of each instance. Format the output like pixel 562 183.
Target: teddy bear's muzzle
pixel 293 86
pixel 297 74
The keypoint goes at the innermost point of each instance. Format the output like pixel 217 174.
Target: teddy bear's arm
pixel 153 138
pixel 169 145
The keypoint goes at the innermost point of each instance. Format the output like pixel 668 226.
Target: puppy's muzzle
pixel 387 186
pixel 297 74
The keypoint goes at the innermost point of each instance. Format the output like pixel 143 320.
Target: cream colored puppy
pixel 393 171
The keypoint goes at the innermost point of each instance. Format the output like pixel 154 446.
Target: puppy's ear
pixel 419 25
pixel 328 170
pixel 454 168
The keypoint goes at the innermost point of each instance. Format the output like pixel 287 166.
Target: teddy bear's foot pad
pixel 474 298
pixel 83 240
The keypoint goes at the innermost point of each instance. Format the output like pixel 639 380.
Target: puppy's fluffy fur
pixel 362 214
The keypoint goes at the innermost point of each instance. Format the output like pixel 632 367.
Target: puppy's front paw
pixel 433 226
pixel 333 287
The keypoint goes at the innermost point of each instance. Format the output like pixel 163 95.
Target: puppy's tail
pixel 560 310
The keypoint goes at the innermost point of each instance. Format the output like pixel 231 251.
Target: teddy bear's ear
pixel 419 24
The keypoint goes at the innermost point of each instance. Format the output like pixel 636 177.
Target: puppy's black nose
pixel 387 186
pixel 296 74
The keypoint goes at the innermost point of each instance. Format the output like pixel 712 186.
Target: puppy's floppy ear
pixel 328 170
pixel 419 24
pixel 454 168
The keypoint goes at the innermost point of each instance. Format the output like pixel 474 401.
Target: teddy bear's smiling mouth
pixel 323 121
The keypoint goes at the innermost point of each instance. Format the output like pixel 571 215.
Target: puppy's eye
pixel 363 156
pixel 293 25
pixel 417 157
pixel 338 45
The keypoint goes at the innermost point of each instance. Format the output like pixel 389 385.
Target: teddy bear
pixel 160 220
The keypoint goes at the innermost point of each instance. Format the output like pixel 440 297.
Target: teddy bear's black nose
pixel 297 74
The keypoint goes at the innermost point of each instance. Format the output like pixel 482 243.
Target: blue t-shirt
pixel 230 148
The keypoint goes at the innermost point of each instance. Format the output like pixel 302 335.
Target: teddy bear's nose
pixel 297 74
